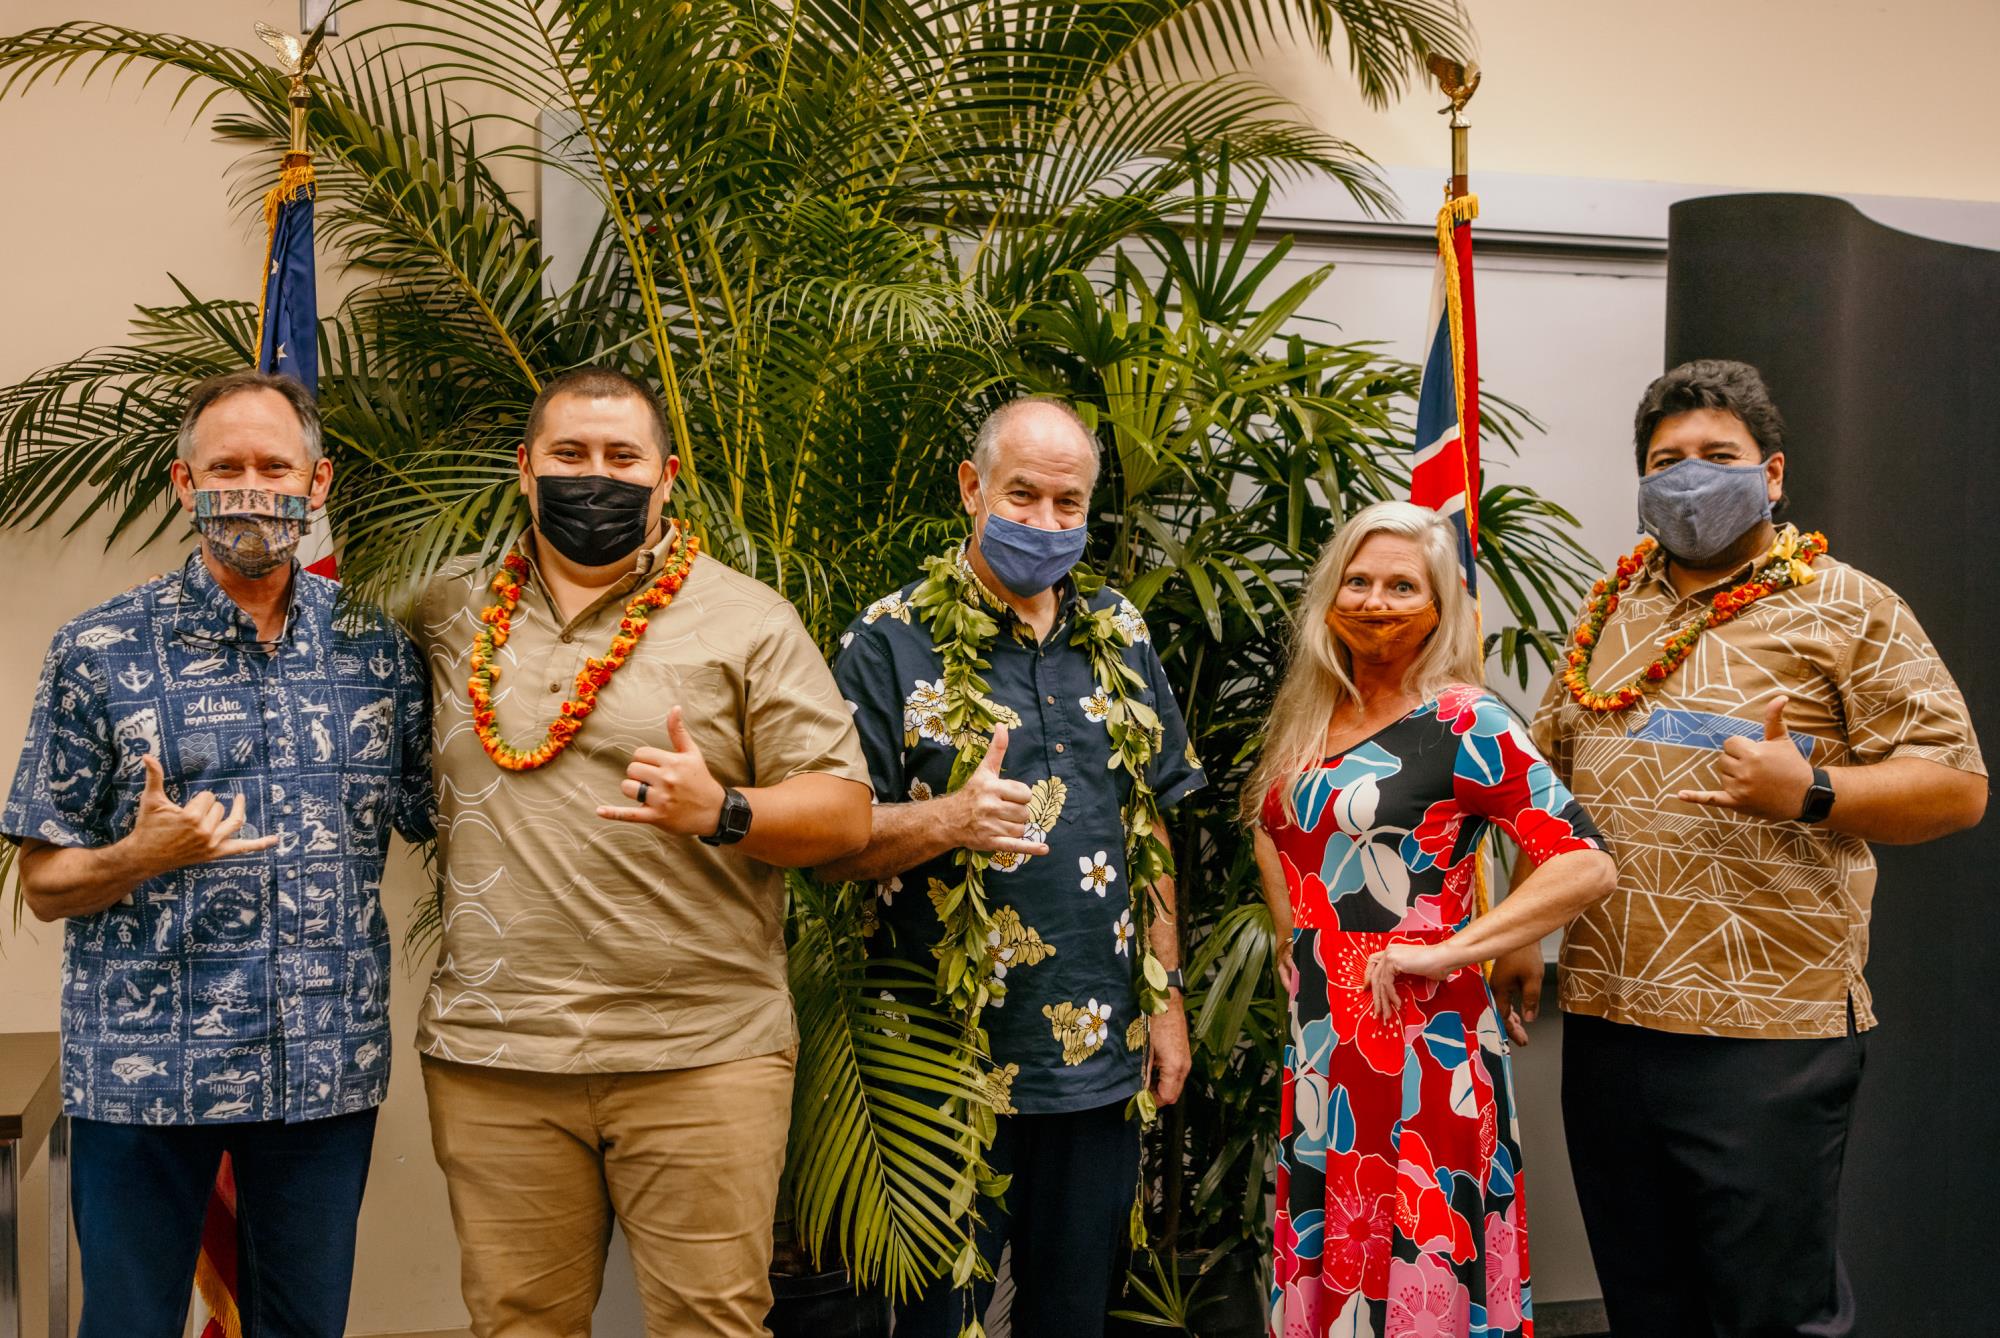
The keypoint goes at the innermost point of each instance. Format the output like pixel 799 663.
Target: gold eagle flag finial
pixel 295 61
pixel 290 51
pixel 1456 81
pixel 295 56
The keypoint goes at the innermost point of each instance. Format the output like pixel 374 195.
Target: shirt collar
pixel 207 610
pixel 1654 571
pixel 650 561
pixel 1067 599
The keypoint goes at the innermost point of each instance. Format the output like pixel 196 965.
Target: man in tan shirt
pixel 1714 1003
pixel 608 1031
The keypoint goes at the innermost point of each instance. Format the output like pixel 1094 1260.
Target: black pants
pixel 1066 1218
pixel 1708 1171
pixel 140 1194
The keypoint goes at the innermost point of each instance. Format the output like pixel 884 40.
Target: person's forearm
pixel 1554 894
pixel 1163 935
pixel 904 836
pixel 1904 800
pixel 1271 880
pixel 63 881
pixel 806 820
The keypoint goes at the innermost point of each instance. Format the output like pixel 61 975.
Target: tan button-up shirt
pixel 576 944
pixel 1724 924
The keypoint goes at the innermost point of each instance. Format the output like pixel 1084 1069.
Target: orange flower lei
pixel 1789 563
pixel 499 620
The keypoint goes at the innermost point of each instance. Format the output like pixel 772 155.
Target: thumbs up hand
pixel 672 786
pixel 1767 779
pixel 993 812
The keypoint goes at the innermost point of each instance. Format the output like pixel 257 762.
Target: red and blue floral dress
pixel 1401 1211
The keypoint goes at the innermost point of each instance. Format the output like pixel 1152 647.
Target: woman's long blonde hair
pixel 1318 676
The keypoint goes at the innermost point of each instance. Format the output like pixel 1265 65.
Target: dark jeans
pixel 1068 1208
pixel 139 1194
pixel 1708 1171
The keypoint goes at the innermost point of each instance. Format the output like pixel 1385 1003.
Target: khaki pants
pixel 537 1163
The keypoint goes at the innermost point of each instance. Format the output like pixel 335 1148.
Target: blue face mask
pixel 1698 509
pixel 1027 560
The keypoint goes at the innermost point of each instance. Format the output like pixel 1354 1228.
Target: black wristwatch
pixel 734 824
pixel 1176 981
pixel 1819 798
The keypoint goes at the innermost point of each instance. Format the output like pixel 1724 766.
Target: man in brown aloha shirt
pixel 1715 1002
pixel 608 1033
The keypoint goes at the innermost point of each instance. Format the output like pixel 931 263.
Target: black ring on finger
pixel 643 787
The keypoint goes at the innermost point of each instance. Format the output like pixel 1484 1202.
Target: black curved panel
pixel 1883 351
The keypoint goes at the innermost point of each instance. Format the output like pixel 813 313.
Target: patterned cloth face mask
pixel 251 531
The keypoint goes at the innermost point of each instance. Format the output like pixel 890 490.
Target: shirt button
pixel 1052 701
pixel 1059 747
pixel 555 685
pixel 567 638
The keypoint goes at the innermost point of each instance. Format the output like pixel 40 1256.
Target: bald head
pixel 1047 430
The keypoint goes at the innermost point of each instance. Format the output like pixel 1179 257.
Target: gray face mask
pixel 1698 509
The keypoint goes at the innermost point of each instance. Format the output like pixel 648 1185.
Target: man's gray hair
pixel 986 444
pixel 218 388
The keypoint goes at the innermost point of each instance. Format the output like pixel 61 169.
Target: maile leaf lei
pixel 962 624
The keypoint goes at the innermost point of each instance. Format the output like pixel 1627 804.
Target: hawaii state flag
pixel 1445 475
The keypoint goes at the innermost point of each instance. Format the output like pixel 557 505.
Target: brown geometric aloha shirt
pixel 1724 924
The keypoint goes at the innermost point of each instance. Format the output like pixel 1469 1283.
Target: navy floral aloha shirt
pixel 1065 946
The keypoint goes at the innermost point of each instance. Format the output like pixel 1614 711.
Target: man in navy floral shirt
pixel 1047 804
pixel 212 770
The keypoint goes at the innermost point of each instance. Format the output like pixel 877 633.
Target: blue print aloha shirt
pixel 1064 944
pixel 255 987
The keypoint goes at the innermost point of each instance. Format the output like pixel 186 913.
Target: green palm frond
pixel 877 1163
pixel 100 428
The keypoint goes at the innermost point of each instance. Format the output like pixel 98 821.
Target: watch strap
pixel 734 822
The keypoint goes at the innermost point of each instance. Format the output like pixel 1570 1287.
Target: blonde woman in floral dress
pixel 1400 1196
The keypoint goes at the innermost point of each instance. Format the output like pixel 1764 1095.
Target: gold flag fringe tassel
pixel 297 178
pixel 1454 214
pixel 221 1305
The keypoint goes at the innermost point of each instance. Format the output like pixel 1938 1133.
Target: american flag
pixel 1445 476
pixel 288 325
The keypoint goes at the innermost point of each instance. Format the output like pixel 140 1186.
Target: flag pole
pixel 1459 189
pixel 1459 82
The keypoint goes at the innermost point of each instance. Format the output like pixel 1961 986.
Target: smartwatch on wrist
pixel 1175 981
pixel 1819 798
pixel 734 824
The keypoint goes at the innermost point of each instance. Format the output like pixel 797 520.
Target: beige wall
pixel 1808 95
pixel 108 190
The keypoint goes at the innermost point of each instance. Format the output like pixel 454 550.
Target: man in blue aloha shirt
pixel 212 770
pixel 1047 804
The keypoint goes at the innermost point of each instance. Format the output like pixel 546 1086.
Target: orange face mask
pixel 1383 637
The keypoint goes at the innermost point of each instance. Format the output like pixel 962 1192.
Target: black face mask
pixel 590 519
